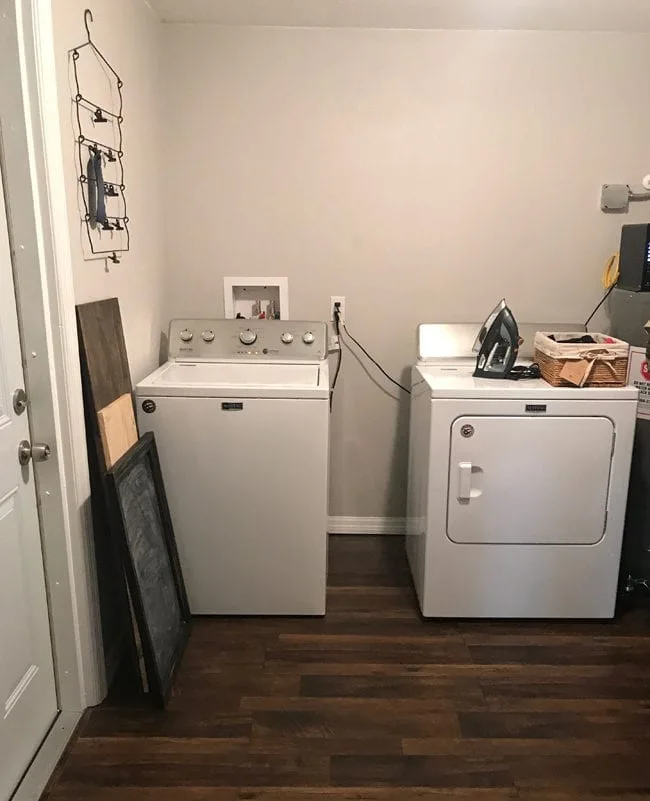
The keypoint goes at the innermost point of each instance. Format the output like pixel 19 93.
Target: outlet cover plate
pixel 337 299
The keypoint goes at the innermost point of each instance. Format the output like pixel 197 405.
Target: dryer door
pixel 524 480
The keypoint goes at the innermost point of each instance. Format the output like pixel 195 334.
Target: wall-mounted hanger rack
pixel 100 113
pixel 107 150
pixel 93 154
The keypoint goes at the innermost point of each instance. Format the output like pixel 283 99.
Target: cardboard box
pixel 638 375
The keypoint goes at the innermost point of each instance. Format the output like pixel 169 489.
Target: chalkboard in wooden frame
pixel 142 522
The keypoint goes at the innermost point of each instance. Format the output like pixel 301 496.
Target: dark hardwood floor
pixel 372 703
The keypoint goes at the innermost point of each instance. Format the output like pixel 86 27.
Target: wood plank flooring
pixel 373 703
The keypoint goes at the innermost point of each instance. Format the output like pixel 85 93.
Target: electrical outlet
pixel 337 299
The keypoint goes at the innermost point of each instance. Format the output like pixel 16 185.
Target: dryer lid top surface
pixel 455 379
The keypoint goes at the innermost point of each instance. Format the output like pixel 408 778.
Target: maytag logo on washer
pixel 148 406
pixel 467 431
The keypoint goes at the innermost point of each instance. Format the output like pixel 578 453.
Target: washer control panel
pixel 257 340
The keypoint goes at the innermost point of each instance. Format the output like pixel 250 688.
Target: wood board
pixel 117 429
pixel 101 338
pixel 105 377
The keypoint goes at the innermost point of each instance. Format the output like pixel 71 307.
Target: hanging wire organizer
pixel 87 147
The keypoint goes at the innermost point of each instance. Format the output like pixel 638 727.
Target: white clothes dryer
pixel 516 491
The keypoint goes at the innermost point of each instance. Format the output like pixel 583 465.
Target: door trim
pixel 38 774
pixel 39 230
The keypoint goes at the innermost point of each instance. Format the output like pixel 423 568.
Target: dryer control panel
pixel 244 340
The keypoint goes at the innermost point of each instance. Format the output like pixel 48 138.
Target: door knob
pixel 39 452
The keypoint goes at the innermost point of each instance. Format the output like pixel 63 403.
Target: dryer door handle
pixel 464 481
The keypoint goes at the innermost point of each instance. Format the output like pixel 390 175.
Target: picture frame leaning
pixel 142 522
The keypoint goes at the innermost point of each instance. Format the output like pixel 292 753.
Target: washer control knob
pixel 247 337
pixel 186 335
pixel 308 338
pixel 287 337
pixel 207 336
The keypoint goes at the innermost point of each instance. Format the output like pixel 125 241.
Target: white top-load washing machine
pixel 516 490
pixel 241 418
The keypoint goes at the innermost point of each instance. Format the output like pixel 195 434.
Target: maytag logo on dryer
pixel 536 408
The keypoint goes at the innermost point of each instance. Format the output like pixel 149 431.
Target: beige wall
pixel 127 32
pixel 422 174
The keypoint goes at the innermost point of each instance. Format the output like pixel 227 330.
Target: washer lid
pixel 454 379
pixel 234 379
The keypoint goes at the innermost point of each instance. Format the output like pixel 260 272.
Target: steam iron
pixel 497 344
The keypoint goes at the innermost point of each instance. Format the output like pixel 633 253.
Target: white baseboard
pixel 340 524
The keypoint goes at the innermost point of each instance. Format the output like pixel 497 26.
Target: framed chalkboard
pixel 142 521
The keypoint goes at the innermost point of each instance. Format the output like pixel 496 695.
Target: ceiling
pixel 586 15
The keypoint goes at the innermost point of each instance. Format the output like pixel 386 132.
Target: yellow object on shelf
pixel 610 274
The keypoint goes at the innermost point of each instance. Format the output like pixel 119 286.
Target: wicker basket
pixel 603 364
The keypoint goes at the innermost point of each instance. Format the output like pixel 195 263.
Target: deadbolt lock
pixel 19 400
pixel 39 452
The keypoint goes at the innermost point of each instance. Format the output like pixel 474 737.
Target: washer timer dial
pixel 247 337
pixel 308 338
pixel 287 337
pixel 186 335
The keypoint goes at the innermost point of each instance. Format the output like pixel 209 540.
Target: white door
pixel 28 703
pixel 523 480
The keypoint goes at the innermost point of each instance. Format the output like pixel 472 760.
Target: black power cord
pixel 337 329
pixel 602 300
pixel 374 361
